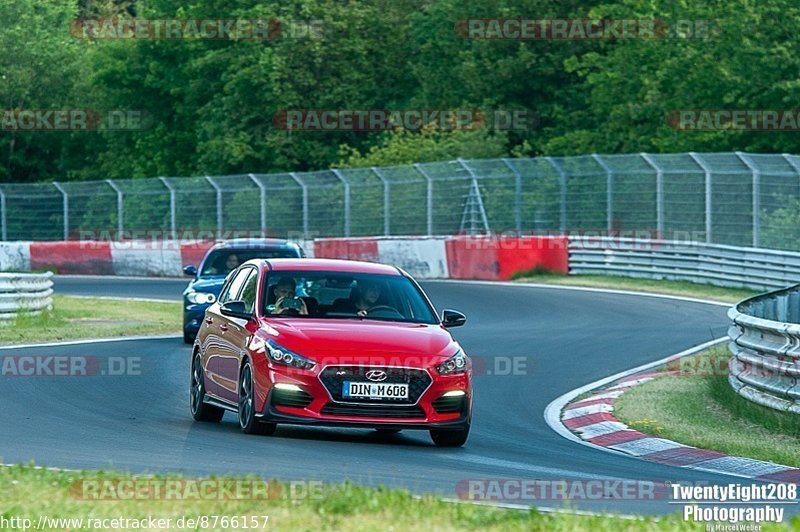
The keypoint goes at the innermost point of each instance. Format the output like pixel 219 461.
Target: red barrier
pixel 84 257
pixel 365 249
pixel 499 258
pixel 192 254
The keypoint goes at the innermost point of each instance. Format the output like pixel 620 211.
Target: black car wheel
pixel 247 410
pixel 200 410
pixel 450 438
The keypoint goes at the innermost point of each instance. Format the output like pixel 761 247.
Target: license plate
pixel 375 390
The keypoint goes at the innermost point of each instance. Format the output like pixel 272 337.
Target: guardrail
pixel 29 293
pixel 740 267
pixel 765 344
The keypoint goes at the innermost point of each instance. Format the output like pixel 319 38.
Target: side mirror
pixel 453 318
pixel 190 270
pixel 235 309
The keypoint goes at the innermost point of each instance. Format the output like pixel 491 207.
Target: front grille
pixel 388 411
pixel 449 405
pixel 294 399
pixel 333 378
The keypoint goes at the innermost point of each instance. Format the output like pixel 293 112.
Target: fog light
pixel 287 387
pixel 454 393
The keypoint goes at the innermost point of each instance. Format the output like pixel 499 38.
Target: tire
pixel 188 338
pixel 247 411
pixel 197 392
pixel 450 438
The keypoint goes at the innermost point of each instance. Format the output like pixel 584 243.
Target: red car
pixel 331 343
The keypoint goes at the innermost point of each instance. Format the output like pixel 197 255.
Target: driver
pixel 368 295
pixel 231 263
pixel 284 294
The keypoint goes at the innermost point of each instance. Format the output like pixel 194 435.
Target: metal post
pixel 517 195
pixel 119 206
pixel 756 196
pixel 66 208
pixel 429 199
pixel 709 198
pixel 346 183
pixel 562 175
pixel 218 190
pixel 263 200
pixel 475 191
pixel 386 200
pixel 304 187
pixel 3 218
pixel 172 207
pixel 609 192
pixel 659 193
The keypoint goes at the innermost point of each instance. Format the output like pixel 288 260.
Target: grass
pixel 677 288
pixel 702 410
pixel 29 492
pixel 73 318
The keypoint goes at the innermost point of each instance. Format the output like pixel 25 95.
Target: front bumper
pixel 193 316
pixel 314 404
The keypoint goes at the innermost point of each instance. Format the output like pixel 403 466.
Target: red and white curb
pixel 592 420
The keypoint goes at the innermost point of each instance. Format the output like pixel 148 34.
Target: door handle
pixel 223 327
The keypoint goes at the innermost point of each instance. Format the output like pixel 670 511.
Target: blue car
pixel 220 260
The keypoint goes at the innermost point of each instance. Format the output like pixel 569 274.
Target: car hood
pixel 207 284
pixel 355 338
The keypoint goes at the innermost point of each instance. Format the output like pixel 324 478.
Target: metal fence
pixel 733 199
pixel 765 343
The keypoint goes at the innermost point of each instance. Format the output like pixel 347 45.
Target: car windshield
pixel 337 295
pixel 224 261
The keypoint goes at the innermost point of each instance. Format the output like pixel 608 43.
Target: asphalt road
pixel 565 339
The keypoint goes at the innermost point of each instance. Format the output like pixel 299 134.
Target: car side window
pixel 249 290
pixel 231 293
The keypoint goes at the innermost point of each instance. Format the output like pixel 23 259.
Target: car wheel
pixel 247 409
pixel 188 338
pixel 450 438
pixel 200 410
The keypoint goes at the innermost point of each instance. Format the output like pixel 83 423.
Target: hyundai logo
pixel 376 375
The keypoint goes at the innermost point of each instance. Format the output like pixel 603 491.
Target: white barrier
pixel 146 260
pixel 15 256
pixel 424 258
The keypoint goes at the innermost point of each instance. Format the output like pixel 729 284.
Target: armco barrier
pixel 731 266
pixel 765 344
pixel 25 293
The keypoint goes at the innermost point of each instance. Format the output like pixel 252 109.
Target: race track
pixel 141 423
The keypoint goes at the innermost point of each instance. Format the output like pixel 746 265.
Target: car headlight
pixel 454 365
pixel 201 298
pixel 280 355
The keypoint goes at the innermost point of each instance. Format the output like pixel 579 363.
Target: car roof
pixel 255 243
pixel 329 265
